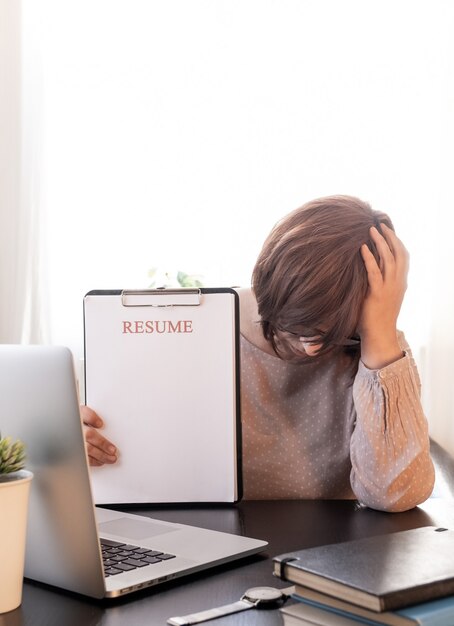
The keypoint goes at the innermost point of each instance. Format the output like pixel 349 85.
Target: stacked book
pixel 403 578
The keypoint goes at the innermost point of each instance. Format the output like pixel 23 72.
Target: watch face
pixel 263 594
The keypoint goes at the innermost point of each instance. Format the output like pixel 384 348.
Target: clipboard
pixel 162 369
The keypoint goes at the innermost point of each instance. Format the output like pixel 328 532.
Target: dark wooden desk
pixel 287 525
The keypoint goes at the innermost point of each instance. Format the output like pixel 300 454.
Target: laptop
pixel 71 543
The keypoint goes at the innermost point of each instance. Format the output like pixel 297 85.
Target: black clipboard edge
pixel 239 436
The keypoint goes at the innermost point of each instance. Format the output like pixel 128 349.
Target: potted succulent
pixel 14 489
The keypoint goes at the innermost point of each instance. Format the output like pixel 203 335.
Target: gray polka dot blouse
pixel 313 431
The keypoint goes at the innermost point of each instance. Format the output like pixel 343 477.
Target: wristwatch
pixel 254 598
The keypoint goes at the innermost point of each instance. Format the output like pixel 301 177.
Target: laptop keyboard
pixel 124 557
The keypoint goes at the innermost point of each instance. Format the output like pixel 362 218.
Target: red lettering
pixel 159 326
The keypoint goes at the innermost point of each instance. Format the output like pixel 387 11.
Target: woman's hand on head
pixel 99 449
pixel 381 307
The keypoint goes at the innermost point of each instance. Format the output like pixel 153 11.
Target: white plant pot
pixel 14 491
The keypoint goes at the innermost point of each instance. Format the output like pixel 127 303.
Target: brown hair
pixel 309 279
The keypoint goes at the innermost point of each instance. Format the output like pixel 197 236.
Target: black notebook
pixel 381 573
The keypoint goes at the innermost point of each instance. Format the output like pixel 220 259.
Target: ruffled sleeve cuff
pixel 397 368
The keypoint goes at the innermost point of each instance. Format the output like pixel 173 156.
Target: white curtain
pixel 438 374
pixel 22 293
pixel 11 273
pixel 174 134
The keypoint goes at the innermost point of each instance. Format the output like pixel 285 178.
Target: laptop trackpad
pixel 134 529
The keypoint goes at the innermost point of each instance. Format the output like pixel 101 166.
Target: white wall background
pixel 174 133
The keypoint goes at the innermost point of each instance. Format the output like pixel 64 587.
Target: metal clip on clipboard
pixel 161 297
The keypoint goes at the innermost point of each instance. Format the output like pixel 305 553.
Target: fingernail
pixel 111 449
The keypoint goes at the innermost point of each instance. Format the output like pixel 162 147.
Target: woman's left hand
pixel 381 307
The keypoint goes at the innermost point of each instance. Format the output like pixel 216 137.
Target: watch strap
pixel 203 616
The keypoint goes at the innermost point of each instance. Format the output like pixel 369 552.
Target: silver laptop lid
pixel 40 406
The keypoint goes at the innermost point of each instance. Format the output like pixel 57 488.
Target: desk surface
pixel 286 525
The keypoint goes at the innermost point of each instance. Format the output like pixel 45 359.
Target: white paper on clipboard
pixel 162 370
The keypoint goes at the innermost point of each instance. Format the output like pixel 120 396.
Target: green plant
pixel 12 455
pixel 167 279
pixel 188 280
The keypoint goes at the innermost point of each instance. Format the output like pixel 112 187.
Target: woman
pixel 330 390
